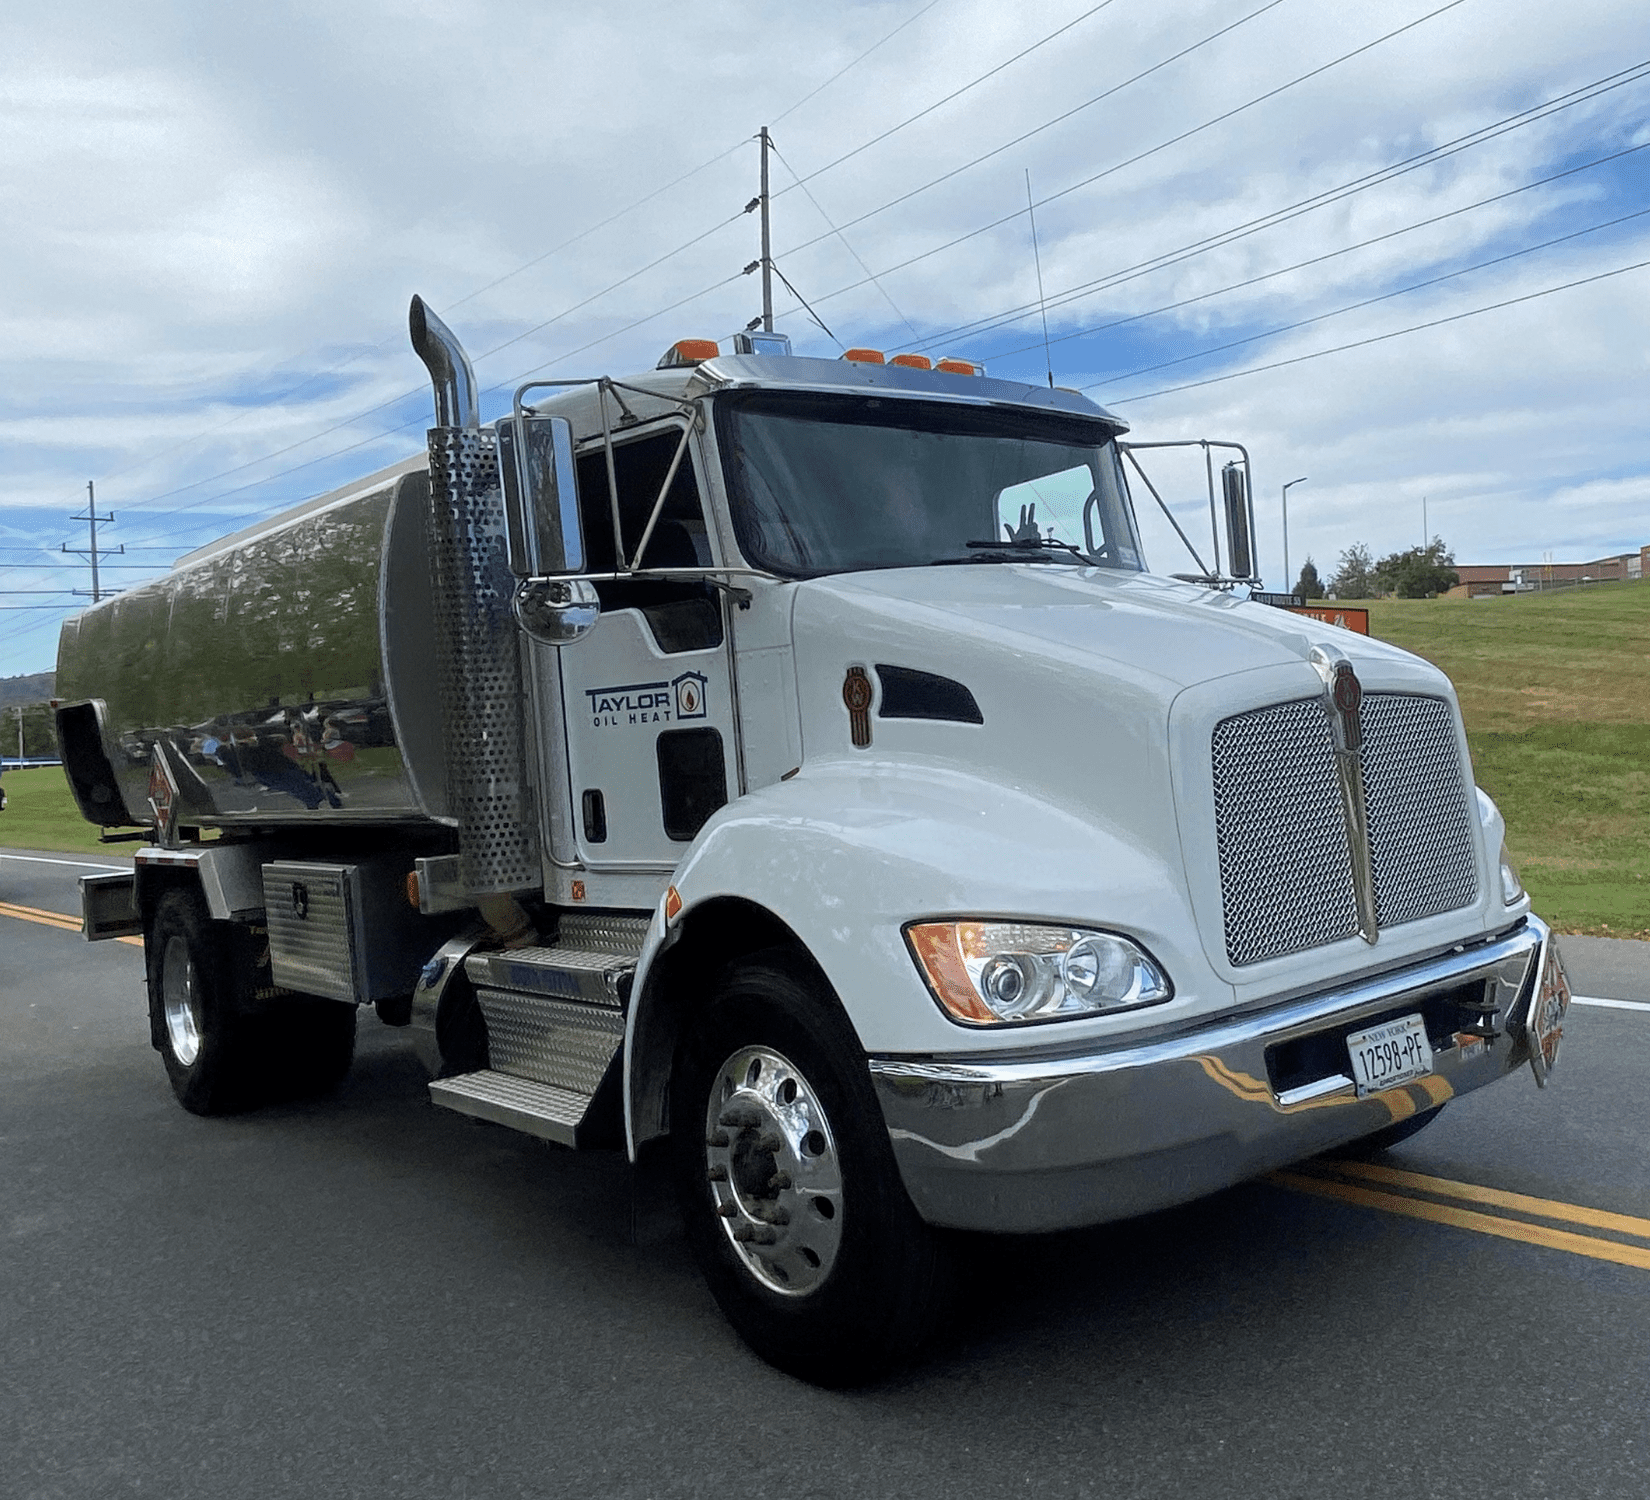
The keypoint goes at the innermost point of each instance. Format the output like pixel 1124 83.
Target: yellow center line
pixel 1471 1192
pixel 62 921
pixel 1466 1218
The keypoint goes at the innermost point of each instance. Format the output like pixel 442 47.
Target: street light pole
pixel 1288 583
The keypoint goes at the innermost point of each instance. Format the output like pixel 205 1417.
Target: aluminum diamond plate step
pixel 539 1109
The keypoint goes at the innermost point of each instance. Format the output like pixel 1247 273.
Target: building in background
pixel 1516 578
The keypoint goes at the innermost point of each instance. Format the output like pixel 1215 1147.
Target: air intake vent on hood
pixel 909 694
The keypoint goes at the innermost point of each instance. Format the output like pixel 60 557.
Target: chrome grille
pixel 1286 878
pixel 1420 821
pixel 1285 874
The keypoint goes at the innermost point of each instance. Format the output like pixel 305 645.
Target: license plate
pixel 1389 1054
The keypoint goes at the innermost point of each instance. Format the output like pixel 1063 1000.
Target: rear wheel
pixel 197 1007
pixel 227 1047
pixel 790 1194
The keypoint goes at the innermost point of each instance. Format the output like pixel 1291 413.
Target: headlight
pixel 1512 888
pixel 991 973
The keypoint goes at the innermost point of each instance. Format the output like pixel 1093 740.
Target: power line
pixel 1415 286
pixel 1153 150
pixel 1049 124
pixel 1379 338
pixel 855 63
pixel 1316 260
pixel 1586 93
pixel 887 297
pixel 954 94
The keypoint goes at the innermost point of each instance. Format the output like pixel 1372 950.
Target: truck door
pixel 647 693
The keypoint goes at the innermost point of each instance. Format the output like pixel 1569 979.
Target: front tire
pixel 790 1195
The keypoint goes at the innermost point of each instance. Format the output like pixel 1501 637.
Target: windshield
pixel 830 484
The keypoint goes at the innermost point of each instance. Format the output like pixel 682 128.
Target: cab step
pixel 541 1109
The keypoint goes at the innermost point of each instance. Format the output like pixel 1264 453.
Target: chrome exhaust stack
pixel 478 650
pixel 456 403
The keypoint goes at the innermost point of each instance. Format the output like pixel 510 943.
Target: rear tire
pixel 790 1195
pixel 225 1048
pixel 199 982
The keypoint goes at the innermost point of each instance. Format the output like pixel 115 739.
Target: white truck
pixel 791 766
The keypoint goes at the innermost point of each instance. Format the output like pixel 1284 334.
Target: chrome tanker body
pixel 281 673
pixel 792 768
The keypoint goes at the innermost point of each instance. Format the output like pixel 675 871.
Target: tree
pixel 1309 585
pixel 1352 578
pixel 1419 573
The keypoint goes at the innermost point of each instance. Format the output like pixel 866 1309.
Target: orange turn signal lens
pixel 865 356
pixel 960 367
pixel 913 361
pixel 685 352
pixel 938 949
pixel 673 904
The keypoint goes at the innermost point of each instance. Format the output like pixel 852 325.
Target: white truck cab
pixel 792 766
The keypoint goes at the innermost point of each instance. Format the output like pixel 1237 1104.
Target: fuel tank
pixel 285 674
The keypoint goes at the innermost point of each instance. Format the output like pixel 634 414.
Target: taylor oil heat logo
pixel 680 698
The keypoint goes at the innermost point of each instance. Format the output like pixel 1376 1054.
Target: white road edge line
pixel 1610 1004
pixel 79 864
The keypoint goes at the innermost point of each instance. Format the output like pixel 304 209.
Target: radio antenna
pixel 1042 306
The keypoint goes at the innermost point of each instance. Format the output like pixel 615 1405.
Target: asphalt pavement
pixel 369 1296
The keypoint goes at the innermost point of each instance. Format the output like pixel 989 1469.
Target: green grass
pixel 1555 690
pixel 41 814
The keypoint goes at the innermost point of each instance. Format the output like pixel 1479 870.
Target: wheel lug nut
pixel 717 1139
pixel 780 1180
pixel 718 1173
pixel 727 1210
pixel 741 1116
pixel 768 1141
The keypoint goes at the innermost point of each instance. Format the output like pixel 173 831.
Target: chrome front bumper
pixel 1021 1143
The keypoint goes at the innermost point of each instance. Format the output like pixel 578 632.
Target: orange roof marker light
pixel 912 361
pixel 960 367
pixel 864 356
pixel 685 352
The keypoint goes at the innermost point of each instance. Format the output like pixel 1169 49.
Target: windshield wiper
pixel 1028 551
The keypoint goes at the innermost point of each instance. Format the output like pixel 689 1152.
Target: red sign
pixel 1345 616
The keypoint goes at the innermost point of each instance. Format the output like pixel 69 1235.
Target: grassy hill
pixel 1555 690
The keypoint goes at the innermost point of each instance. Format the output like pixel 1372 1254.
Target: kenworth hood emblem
pixel 1343 698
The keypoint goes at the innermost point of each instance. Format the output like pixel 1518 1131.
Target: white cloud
pixel 216 215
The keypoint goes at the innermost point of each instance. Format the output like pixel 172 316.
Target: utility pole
pixel 1426 535
pixel 94 552
pixel 1288 582
pixel 767 244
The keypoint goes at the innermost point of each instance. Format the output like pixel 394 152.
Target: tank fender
pixel 229 875
pixel 835 861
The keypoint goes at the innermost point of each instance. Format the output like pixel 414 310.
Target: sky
pixel 1397 248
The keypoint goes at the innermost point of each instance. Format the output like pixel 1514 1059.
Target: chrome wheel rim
pixel 180 1002
pixel 775 1178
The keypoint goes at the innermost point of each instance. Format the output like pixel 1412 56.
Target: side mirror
pixel 544 532
pixel 556 611
pixel 1240 552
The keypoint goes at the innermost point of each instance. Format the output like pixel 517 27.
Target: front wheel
pixel 790 1194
